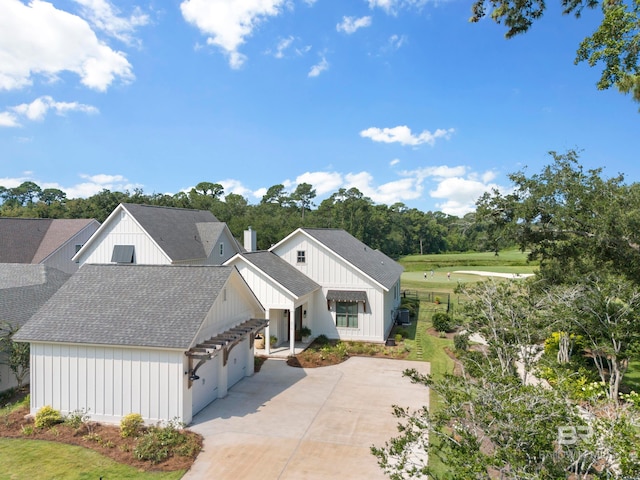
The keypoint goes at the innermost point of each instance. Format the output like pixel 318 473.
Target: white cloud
pixel 393 162
pixel 392 6
pixel 38 109
pixel 94 184
pixel 401 190
pixel 227 23
pixel 322 182
pixel 8 119
pixel 402 134
pixel 105 17
pixel 38 39
pixel 318 68
pixel 397 41
pixel 349 25
pixel 460 194
pixel 283 45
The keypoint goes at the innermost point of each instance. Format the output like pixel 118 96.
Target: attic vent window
pixel 221 249
pixel 123 254
pixel 301 256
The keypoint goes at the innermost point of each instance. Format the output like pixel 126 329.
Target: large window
pixel 301 256
pixel 347 314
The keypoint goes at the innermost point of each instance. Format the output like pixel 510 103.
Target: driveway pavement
pixel 293 423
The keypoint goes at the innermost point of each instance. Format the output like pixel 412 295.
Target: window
pixel 123 254
pixel 301 256
pixel 347 314
pixel 221 249
pixel 78 247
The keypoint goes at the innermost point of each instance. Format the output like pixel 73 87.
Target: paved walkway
pixel 293 423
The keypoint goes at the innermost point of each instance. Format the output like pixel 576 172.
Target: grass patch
pixel 28 459
pixel 465 261
pixel 631 380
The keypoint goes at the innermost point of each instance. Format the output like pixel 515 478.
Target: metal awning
pixel 223 343
pixel 347 296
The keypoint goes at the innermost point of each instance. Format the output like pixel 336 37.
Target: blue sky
pixel 403 99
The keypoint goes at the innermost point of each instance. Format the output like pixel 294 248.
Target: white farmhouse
pixel 162 341
pixel 153 235
pixel 360 286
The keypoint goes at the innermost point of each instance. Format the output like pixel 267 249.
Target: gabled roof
pixel 25 288
pixel 177 231
pixel 160 306
pixel 373 263
pixel 289 277
pixel 31 240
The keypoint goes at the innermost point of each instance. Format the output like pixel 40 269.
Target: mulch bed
pixel 103 438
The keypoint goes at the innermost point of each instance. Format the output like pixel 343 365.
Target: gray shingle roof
pixel 176 230
pixel 373 263
pixel 25 288
pixel 31 240
pixel 282 272
pixel 132 305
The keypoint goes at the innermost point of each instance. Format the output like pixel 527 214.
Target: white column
pixel 267 336
pixel 292 330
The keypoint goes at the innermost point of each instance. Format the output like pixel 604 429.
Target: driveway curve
pixel 294 423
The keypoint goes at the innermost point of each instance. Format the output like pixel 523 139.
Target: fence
pixel 431 301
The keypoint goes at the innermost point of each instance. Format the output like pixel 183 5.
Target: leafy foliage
pixel 615 43
pixel 47 417
pixel 442 322
pixel 131 425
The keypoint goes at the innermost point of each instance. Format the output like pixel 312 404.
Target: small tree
pixel 441 322
pixel 16 354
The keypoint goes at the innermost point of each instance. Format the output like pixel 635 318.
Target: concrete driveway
pixel 293 423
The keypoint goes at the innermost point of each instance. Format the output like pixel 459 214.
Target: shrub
pixel 77 418
pixel 159 442
pixel 403 332
pixel 47 417
pixel 321 339
pixel 398 338
pixel 441 322
pixel 461 342
pixel 131 425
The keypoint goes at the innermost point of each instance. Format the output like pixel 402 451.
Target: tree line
pixel 396 229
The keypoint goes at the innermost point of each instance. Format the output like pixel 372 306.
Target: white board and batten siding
pixel 109 381
pixel 124 231
pixel 334 273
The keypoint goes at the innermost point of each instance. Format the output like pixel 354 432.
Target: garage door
pixel 205 389
pixel 237 364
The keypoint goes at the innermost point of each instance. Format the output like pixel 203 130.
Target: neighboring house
pixel 287 295
pixel 152 235
pixel 46 241
pixel 23 290
pixel 161 341
pixel 360 291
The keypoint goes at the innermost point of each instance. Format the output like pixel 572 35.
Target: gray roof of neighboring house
pixel 373 263
pixel 25 288
pixel 160 306
pixel 183 234
pixel 282 272
pixel 31 240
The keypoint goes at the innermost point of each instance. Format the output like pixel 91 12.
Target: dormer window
pixel 123 254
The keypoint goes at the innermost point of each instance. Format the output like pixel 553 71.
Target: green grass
pixel 631 378
pixel 465 261
pixel 29 459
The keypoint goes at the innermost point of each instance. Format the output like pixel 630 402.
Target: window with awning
pixel 123 254
pixel 346 302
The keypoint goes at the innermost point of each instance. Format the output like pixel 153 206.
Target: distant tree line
pixel 396 230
